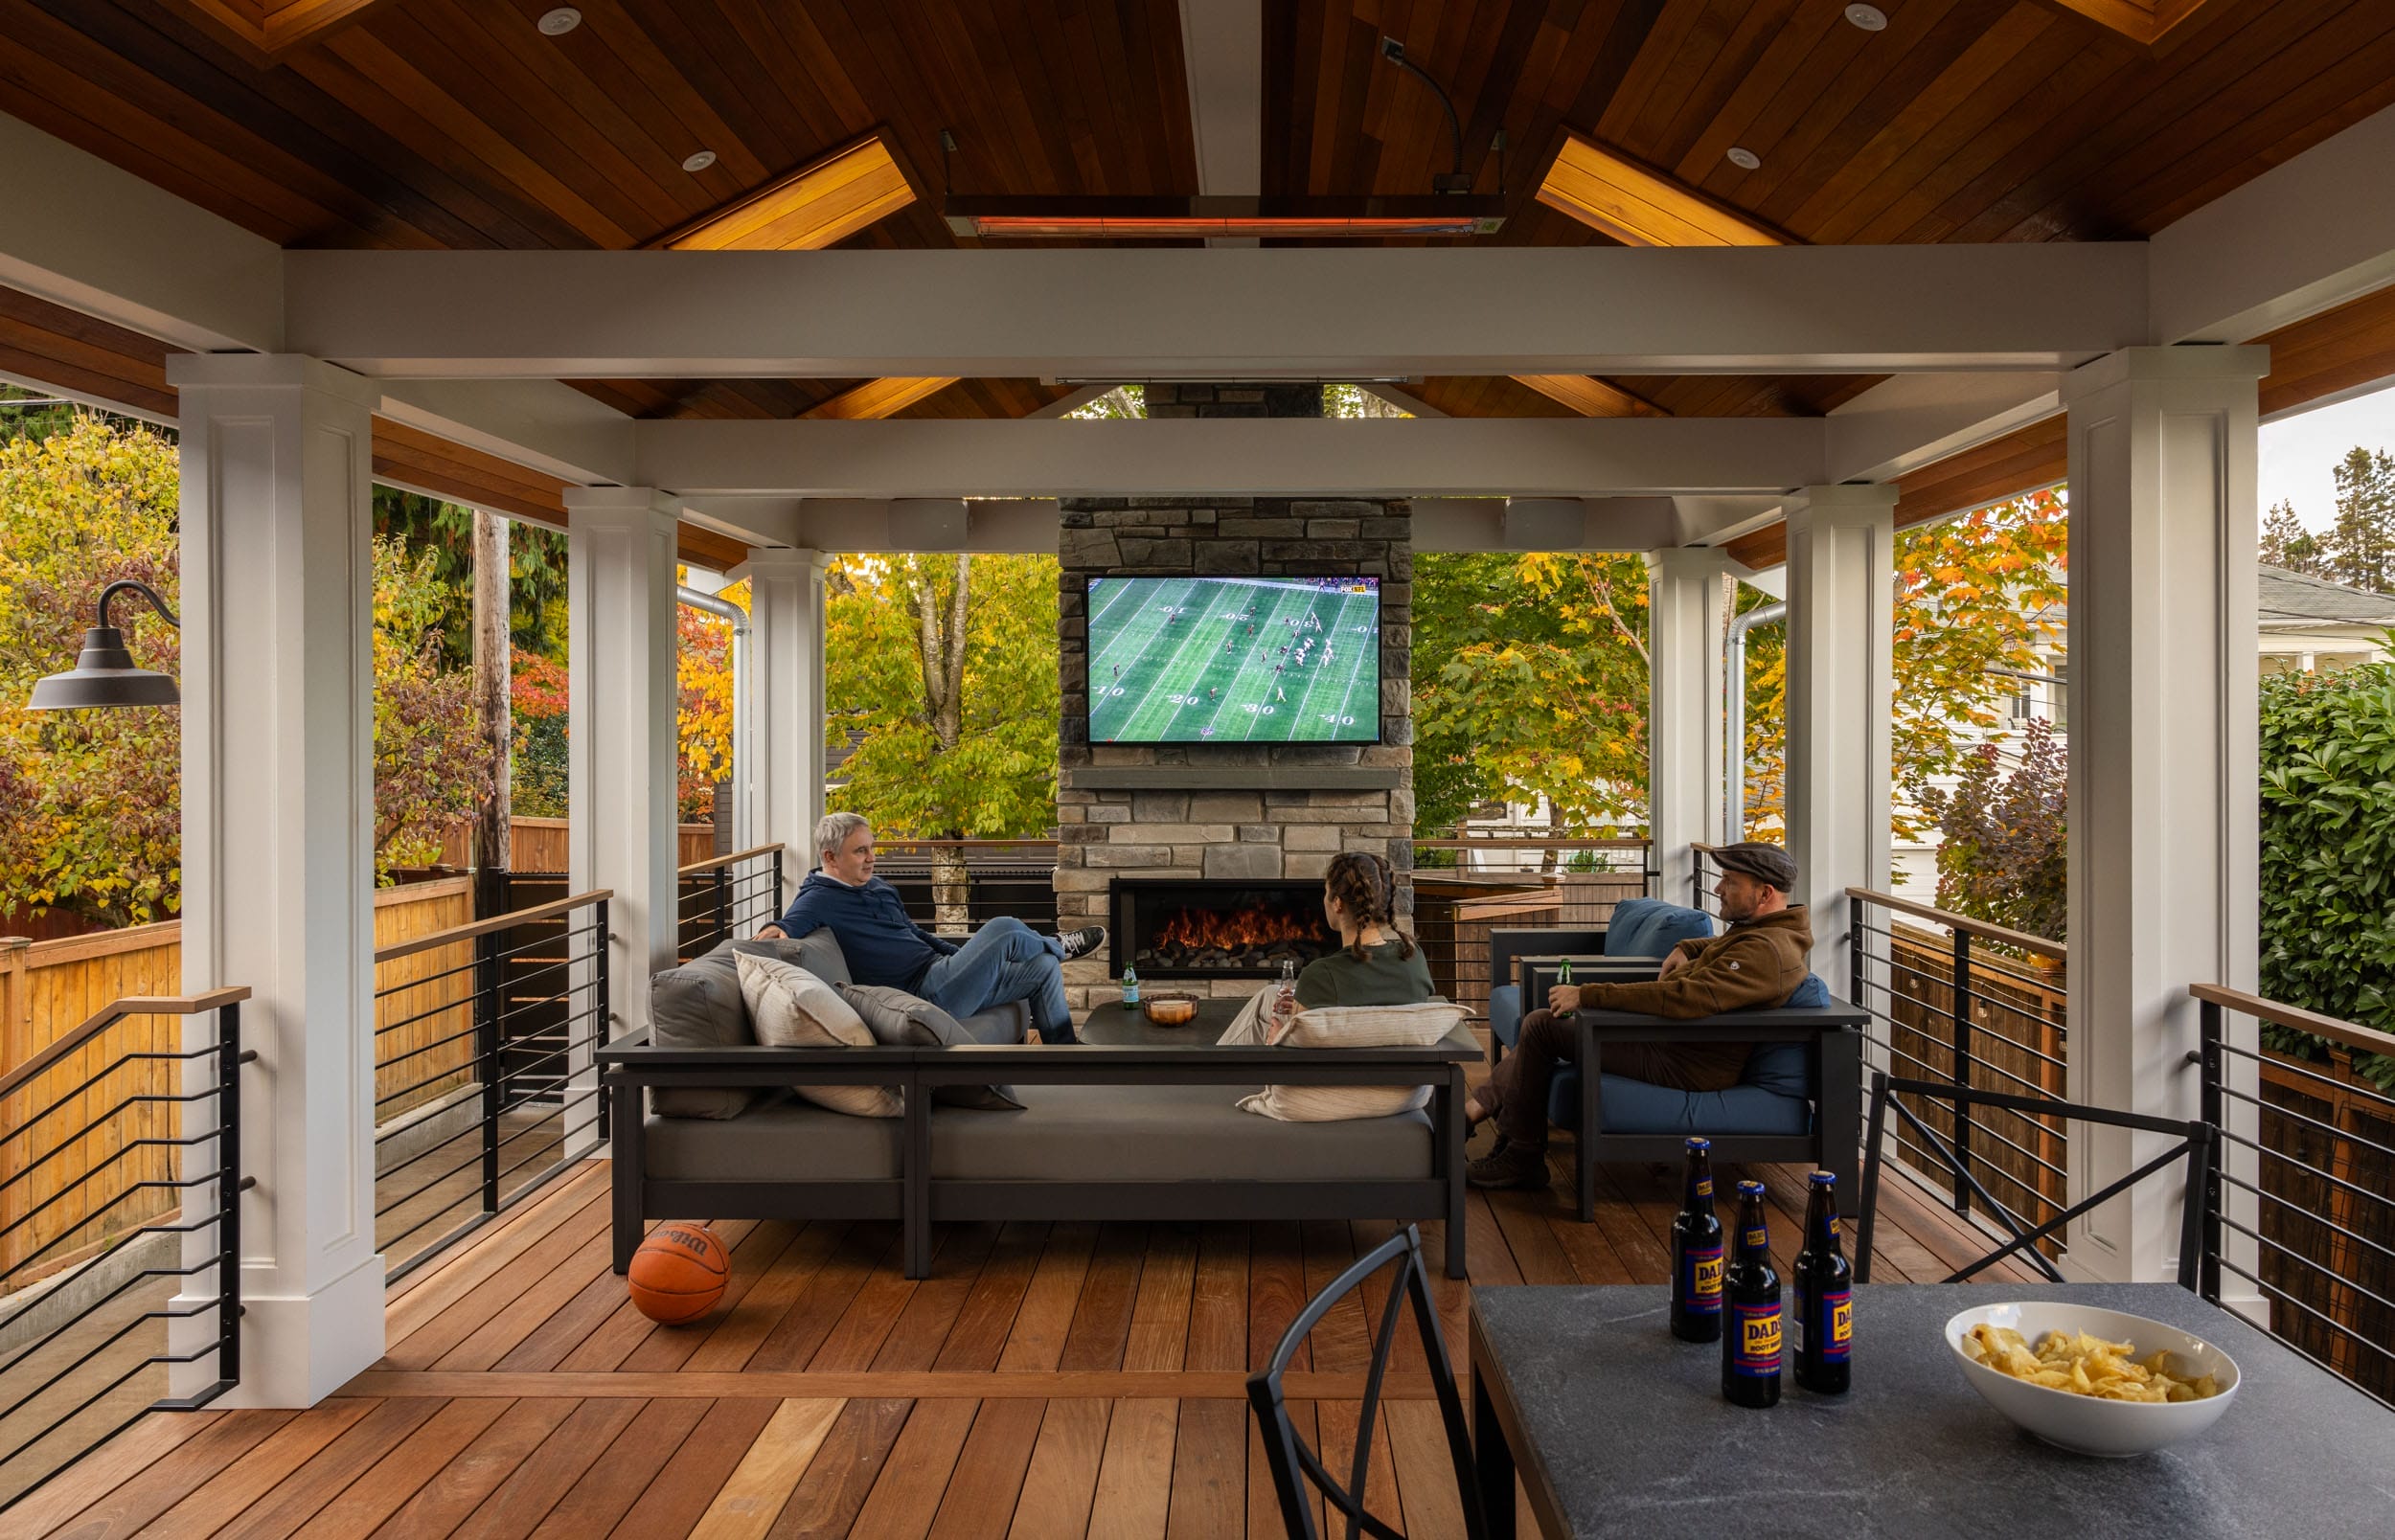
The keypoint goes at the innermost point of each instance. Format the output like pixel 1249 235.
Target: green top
pixel 1379 978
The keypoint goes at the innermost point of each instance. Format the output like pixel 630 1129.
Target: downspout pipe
pixel 1734 681
pixel 724 609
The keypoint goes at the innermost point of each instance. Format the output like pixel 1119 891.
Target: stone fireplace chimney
pixel 1255 812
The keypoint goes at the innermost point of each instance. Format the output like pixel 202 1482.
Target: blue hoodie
pixel 881 944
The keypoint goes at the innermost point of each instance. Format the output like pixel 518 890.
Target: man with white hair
pixel 1004 960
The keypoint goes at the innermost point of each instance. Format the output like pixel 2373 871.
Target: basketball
pixel 678 1275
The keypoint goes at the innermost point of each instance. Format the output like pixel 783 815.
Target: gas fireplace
pixel 1225 929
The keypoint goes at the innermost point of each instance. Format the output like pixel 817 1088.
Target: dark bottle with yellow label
pixel 1697 1254
pixel 1750 1310
pixel 1825 1296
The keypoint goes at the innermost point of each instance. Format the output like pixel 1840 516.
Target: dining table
pixel 1616 1427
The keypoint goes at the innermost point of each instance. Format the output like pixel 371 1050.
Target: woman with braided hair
pixel 1376 965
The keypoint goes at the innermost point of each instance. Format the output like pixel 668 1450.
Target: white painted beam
pixel 1912 421
pixel 81 233
pixel 541 424
pixel 1144 314
pixel 2300 238
pixel 1222 50
pixel 1550 456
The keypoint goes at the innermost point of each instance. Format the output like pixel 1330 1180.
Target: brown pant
pixel 1516 1093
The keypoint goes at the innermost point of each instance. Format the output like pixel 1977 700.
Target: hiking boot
pixel 1514 1166
pixel 1083 942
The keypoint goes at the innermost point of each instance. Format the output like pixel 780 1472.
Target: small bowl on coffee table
pixel 1170 1010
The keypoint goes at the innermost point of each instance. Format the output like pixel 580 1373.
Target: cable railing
pixel 484 1086
pixel 2301 1207
pixel 1466 887
pixel 726 895
pixel 1705 872
pixel 1973 1005
pixel 120 1228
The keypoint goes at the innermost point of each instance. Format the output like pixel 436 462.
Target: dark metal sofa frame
pixel 916 1199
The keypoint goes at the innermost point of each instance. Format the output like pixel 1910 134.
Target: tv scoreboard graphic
pixel 1261 660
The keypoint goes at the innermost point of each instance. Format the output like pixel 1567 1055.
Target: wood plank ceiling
pixel 457 124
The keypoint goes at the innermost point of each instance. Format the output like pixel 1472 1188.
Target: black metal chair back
pixel 1293 1463
pixel 2197 1141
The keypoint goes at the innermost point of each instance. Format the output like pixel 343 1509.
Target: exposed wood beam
pixel 820 204
pixel 269 30
pixel 1162 314
pixel 878 398
pixel 1639 206
pixel 1591 398
pixel 1542 457
pixel 2140 21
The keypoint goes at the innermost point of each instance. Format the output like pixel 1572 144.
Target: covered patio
pixel 1744 292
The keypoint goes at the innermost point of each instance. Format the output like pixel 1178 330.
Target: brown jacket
pixel 1756 963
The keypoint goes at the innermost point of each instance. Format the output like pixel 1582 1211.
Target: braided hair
pixel 1366 889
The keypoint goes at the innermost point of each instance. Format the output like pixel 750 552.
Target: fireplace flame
pixel 1237 929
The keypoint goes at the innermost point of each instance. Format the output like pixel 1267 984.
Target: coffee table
pixel 1122 1026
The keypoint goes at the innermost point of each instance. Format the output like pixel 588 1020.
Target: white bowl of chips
pixel 2090 1380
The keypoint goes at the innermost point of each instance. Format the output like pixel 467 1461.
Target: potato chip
pixel 2084 1365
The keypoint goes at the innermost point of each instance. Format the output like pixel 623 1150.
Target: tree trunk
pixel 496 721
pixel 941 646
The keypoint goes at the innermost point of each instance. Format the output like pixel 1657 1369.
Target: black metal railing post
pixel 489 992
pixel 723 904
pixel 1962 1070
pixel 2209 1036
pixel 229 1061
pixel 777 885
pixel 601 1003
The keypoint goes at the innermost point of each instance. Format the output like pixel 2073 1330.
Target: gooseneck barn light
pixel 105 674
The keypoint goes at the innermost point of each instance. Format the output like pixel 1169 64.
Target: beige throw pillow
pixel 1414 1026
pixel 790 1008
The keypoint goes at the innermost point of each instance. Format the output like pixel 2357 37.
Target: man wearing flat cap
pixel 1759 961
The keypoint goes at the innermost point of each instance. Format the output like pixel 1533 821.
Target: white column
pixel 785 663
pixel 1685 617
pixel 1841 622
pixel 278 845
pixel 620 758
pixel 2163 725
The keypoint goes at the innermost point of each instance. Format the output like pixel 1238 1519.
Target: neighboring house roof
pixel 837 746
pixel 2291 599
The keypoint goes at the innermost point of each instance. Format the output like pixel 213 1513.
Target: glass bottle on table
pixel 1750 1310
pixel 1825 1299
pixel 1130 986
pixel 1697 1253
pixel 1284 996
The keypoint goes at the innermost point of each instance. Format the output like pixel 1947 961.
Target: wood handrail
pixel 484 927
pixel 1969 926
pixel 728 860
pixel 1611 842
pixel 108 1015
pixel 2369 1039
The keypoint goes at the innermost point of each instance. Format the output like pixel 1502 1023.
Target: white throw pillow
pixel 790 1008
pixel 1414 1026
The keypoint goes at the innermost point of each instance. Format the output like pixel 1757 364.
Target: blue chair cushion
pixel 1505 1013
pixel 1774 1093
pixel 1650 927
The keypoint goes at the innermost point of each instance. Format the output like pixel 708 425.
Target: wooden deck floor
pixel 1047 1380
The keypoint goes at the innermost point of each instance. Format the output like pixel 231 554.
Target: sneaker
pixel 1516 1165
pixel 1083 942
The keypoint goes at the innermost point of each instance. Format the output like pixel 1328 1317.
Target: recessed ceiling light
pixel 565 18
pixel 700 161
pixel 1744 159
pixel 1870 18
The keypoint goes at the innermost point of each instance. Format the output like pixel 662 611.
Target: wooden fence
pixel 538 845
pixel 48 988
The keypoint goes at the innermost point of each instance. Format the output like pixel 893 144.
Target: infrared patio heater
pixel 1450 208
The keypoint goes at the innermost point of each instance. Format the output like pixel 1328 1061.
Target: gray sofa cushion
pixel 783 1141
pixel 897 1019
pixel 1168 1133
pixel 698 1005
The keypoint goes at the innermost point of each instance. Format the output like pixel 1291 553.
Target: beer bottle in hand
pixel 1825 1323
pixel 1697 1254
pixel 1750 1296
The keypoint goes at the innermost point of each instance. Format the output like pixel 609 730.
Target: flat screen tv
pixel 1234 660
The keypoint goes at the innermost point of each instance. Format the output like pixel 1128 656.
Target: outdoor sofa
pixel 1800 1098
pixel 703 1125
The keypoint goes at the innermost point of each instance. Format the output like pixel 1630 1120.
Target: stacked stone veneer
pixel 1231 810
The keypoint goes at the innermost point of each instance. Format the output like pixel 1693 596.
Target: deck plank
pixel 622 1471
pixel 459 1487
pixel 1045 1321
pixel 752 1497
pixel 1101 1321
pixel 1062 1478
pixel 525 1497
pixel 1135 1478
pixel 982 1492
pixel 978 1337
pixel 737 1332
pixel 844 1470
pixel 688 1481
pixel 1168 1278
pixel 1209 1471
pixel 244 1483
pixel 363 1505
pixel 175 1475
pixel 907 1497
pixel 327 1473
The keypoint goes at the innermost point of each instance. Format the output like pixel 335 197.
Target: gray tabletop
pixel 1628 1431
pixel 1127 1026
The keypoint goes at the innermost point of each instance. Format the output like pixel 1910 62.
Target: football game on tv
pixel 1234 660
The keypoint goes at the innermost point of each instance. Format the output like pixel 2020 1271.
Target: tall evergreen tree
pixel 2287 544
pixel 2360 545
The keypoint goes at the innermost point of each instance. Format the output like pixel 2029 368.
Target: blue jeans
pixel 1004 960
